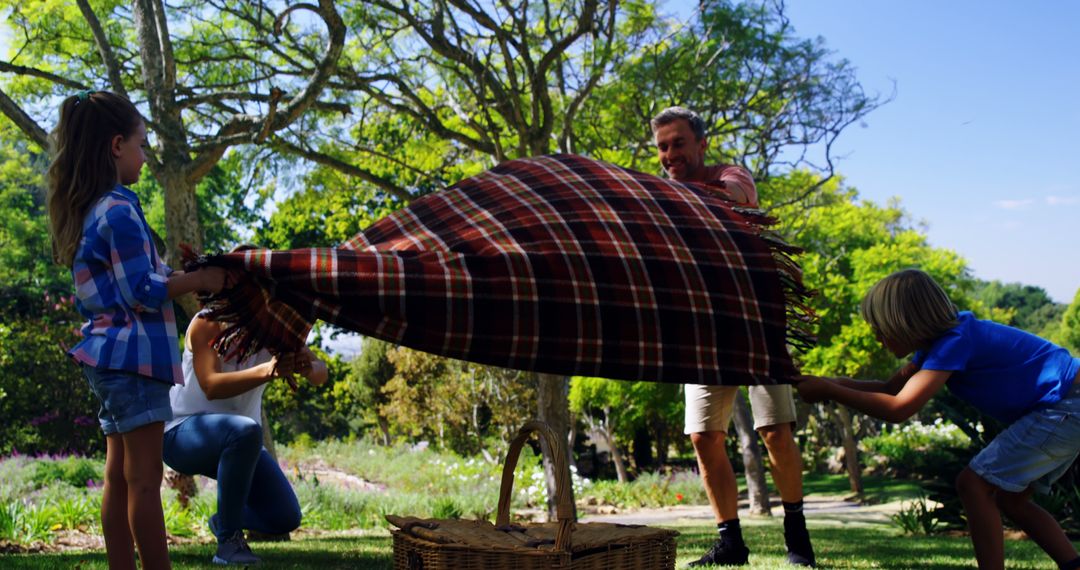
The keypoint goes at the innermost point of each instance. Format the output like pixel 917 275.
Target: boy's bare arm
pixel 917 390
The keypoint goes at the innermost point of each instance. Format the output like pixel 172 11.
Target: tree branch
pixel 343 167
pixel 249 125
pixel 112 68
pixel 25 123
pixel 32 72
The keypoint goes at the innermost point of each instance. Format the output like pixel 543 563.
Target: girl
pixel 129 351
pixel 1025 381
pixel 216 433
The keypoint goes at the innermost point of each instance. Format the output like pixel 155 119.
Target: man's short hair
pixel 672 114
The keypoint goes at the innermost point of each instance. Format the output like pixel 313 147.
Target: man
pixel 680 140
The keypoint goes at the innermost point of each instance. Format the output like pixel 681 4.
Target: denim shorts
pixel 1036 449
pixel 128 400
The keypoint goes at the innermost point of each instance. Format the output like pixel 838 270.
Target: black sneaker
pixel 723 554
pixel 235 550
pixel 799 550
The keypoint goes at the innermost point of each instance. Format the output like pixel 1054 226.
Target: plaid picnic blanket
pixel 557 264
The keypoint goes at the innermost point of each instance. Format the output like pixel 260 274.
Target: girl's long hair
pixel 83 168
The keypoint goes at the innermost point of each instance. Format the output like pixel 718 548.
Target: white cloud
pixel 1013 204
pixel 1062 200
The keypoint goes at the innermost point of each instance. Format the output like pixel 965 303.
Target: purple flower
pixel 45 418
pixel 84 421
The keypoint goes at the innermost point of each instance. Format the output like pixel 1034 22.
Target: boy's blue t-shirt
pixel 1002 371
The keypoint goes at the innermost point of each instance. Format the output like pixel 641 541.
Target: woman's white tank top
pixel 189 399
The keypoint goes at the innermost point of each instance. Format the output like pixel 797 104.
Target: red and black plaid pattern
pixel 557 264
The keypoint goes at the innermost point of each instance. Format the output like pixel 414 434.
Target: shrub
pixel 46 404
pixel 73 470
pixel 917 449
pixel 916 517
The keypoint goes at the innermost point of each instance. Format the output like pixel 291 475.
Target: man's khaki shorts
pixel 709 408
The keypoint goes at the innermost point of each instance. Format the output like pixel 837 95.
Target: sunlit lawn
pixel 839 544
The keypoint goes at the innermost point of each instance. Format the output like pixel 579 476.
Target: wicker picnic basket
pixel 424 544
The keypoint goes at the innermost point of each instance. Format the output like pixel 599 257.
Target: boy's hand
pixel 812 389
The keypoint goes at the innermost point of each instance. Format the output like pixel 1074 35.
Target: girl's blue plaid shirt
pixel 120 285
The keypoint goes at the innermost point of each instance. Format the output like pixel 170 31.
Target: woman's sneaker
pixel 235 550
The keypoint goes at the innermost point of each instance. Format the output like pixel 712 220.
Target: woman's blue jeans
pixel 253 493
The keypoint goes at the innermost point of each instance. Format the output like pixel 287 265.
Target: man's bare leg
pixel 718 477
pixel 786 461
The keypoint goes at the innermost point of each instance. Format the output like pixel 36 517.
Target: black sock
pixel 730 532
pixel 1073 564
pixel 794 519
pixel 796 536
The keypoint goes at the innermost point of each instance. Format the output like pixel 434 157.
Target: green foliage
pixel 46 403
pixel 359 394
pixel 628 408
pixel 329 211
pixel 1031 308
pixel 1069 333
pixel 222 200
pixel 79 511
pixel 915 517
pixel 850 245
pixel 311 411
pixel 459 405
pixel 763 92
pixel 24 523
pixel 76 471
pixel 648 490
pixel 446 508
pixel 1063 501
pixel 911 449
pixel 26 266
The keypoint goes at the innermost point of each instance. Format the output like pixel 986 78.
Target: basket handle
pixel 564 511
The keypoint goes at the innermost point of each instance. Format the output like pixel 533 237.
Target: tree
pixel 363 388
pixel 459 404
pixel 851 244
pixel 492 80
pixel 772 102
pixel 48 405
pixel 1069 333
pixel 190 67
pixel 1031 307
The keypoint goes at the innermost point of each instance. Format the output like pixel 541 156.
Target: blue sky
pixel 982 141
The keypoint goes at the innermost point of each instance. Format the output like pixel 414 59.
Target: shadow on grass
pixel 323 553
pixel 847 546
pixel 862 546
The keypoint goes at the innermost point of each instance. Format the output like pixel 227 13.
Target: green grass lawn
pixel 839 544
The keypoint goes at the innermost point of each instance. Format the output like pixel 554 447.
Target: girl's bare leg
pixel 142 472
pixel 119 548
pixel 984 519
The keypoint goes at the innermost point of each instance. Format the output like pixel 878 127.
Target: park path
pixel 833 508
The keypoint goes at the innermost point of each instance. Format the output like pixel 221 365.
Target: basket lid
pixel 532 537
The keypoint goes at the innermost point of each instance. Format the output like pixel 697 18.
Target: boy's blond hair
pixel 910 308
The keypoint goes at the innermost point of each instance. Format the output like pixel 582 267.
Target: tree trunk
pixel 756 487
pixel 181 225
pixel 553 409
pixel 384 429
pixel 616 456
pixel 851 450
